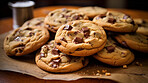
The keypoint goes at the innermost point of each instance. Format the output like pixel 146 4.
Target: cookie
pixel 116 22
pixel 59 17
pixel 134 41
pixel 92 11
pixel 80 38
pixel 52 60
pixel 35 22
pixel 114 55
pixel 25 40
pixel 142 26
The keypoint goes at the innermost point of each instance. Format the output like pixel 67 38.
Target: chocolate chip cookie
pixel 92 11
pixel 25 40
pixel 59 17
pixel 116 21
pixel 53 60
pixel 80 38
pixel 134 41
pixel 114 55
pixel 142 26
pixel 35 22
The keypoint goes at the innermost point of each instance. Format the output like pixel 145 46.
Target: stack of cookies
pixel 65 37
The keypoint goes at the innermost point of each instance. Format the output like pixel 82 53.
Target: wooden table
pixel 13 77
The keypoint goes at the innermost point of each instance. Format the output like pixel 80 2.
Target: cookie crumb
pixel 98 71
pixel 104 71
pixel 108 74
pixel 124 66
pixel 97 74
pixel 137 63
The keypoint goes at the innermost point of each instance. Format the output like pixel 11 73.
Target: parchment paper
pixel 26 65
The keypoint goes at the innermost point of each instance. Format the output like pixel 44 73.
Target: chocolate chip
pixel 55 51
pixel 51 14
pixel 31 34
pixel 124 44
pixel 76 17
pixel 110 14
pixel 55 63
pixel 39 24
pixel 110 49
pixel 85 29
pixel 28 23
pixel 28 29
pixel 68 27
pixel 58 43
pixel 126 16
pixel 111 20
pixel 86 32
pixel 78 40
pixel 63 39
pixel 79 49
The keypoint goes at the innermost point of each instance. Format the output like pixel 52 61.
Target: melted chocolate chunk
pixel 76 17
pixel 66 16
pixel 55 51
pixel 124 44
pixel 39 24
pixel 64 9
pixel 126 16
pixel 28 28
pixel 110 49
pixel 55 63
pixel 111 20
pixel 51 14
pixel 63 39
pixel 20 49
pixel 79 49
pixel 86 32
pixel 78 40
pixel 68 27
pixel 58 43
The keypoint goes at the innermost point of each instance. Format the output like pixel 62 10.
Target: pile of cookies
pixel 65 37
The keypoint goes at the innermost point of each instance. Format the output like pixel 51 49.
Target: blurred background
pixel 126 4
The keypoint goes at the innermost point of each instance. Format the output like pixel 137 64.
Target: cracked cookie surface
pixel 134 41
pixel 114 55
pixel 116 21
pixel 59 17
pixel 25 40
pixel 52 60
pixel 80 38
pixel 142 26
pixel 92 11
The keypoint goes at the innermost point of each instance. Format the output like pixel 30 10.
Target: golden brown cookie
pixel 114 55
pixel 52 60
pixel 116 22
pixel 91 11
pixel 59 17
pixel 25 40
pixel 80 38
pixel 134 41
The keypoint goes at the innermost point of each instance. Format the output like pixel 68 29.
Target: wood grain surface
pixel 13 77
